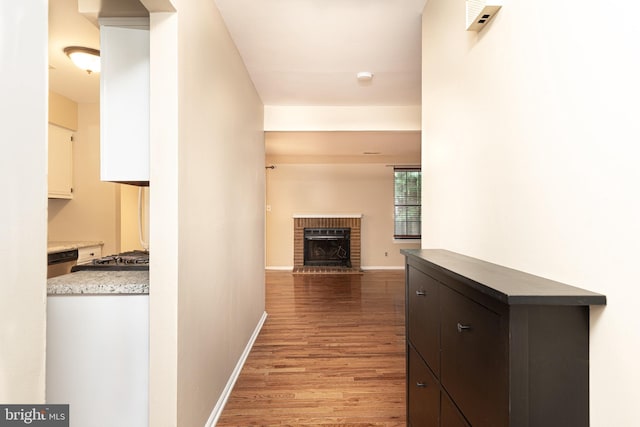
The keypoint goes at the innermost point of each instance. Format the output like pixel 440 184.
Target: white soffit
pixel 343 147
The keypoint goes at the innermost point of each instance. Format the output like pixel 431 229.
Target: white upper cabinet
pixel 124 104
pixel 60 163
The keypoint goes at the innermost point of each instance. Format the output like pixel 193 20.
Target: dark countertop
pixel 507 285
pixel 100 283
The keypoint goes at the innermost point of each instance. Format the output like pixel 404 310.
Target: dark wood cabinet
pixel 423 393
pixel 451 417
pixel 474 358
pixel 423 320
pixel 489 346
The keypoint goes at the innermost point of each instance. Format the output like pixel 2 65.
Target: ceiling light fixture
pixel 84 58
pixel 364 76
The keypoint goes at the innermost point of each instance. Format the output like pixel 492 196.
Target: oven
pixel 59 263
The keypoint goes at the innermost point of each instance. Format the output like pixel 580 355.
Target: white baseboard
pixel 371 267
pixel 279 267
pixel 222 401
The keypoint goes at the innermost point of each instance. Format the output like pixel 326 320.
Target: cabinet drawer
pixel 89 253
pixel 474 368
pixel 423 393
pixel 423 323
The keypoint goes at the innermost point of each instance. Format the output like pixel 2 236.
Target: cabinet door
pixel 423 324
pixel 423 393
pixel 475 365
pixel 124 104
pixel 60 164
pixel 451 417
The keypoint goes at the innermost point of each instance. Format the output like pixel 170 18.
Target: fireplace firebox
pixel 327 247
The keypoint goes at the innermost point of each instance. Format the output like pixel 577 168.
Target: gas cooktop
pixel 125 261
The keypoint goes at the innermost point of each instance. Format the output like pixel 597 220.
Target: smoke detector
pixel 364 76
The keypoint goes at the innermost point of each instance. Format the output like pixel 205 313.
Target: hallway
pixel 331 352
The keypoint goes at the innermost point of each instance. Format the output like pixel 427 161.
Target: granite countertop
pixel 59 246
pixel 100 283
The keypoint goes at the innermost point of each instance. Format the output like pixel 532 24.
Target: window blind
pixel 407 203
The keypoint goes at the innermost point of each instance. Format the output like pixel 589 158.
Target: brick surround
pixel 300 223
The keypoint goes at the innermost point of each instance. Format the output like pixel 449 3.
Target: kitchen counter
pixel 100 283
pixel 98 346
pixel 59 246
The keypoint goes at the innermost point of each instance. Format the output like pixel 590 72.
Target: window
pixel 408 184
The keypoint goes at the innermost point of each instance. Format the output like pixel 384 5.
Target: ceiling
pixel 298 52
pixel 67 27
pixel 308 52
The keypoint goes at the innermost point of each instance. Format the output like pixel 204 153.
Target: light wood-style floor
pixel 331 353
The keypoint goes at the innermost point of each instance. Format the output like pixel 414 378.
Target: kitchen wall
pixel 23 216
pixel 530 152
pixel 93 213
pixel 333 189
pixel 63 111
pixel 100 211
pixel 207 204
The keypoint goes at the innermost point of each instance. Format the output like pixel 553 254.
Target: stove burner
pixel 106 260
pixel 132 260
pixel 133 257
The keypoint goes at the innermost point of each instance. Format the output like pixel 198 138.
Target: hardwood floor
pixel 331 353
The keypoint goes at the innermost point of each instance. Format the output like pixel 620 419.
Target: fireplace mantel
pixel 327 215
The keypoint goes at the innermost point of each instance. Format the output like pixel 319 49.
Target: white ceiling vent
pixel 480 12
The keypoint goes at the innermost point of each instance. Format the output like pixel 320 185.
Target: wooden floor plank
pixel 331 353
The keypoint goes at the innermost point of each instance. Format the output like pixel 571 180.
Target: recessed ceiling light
pixel 364 76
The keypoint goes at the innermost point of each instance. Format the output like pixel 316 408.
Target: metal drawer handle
pixel 462 327
pixel 421 293
pixel 421 384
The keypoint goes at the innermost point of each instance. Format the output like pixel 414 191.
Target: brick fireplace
pixel 351 221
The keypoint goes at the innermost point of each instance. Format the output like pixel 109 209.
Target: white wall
pixel 23 210
pixel 341 118
pixel 530 152
pixel 163 223
pixel 207 212
pixel 333 189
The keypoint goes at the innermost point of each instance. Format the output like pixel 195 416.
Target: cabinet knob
pixel 91 254
pixel 421 293
pixel 462 327
pixel 420 384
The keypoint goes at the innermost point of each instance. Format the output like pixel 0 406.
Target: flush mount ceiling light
pixel 364 76
pixel 85 58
